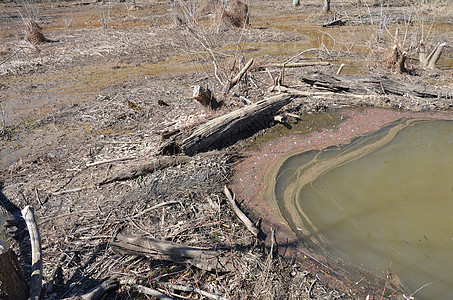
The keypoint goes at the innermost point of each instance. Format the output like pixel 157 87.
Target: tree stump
pixel 205 97
pixel 12 284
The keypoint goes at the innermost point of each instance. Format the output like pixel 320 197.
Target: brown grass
pixel 34 32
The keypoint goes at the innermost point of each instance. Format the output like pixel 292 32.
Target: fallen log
pixel 227 129
pixel 138 169
pixel 12 283
pixel 376 85
pixel 209 260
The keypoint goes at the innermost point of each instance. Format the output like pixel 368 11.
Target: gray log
pixel 227 129
pixel 374 85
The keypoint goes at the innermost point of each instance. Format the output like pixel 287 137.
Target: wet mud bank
pixel 255 181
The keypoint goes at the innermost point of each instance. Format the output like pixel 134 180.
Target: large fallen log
pixel 227 129
pixel 375 85
pixel 209 260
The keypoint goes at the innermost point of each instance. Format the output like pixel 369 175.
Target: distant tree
pixel 326 7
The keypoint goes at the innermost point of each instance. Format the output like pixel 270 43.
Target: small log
pixel 367 85
pixel 231 199
pixel 135 170
pixel 231 83
pixel 209 260
pixel 36 252
pixel 205 97
pixel 12 283
pixel 227 129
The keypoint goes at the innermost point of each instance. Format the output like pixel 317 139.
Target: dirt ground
pixel 113 78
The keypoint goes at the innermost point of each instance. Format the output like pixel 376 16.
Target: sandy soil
pixel 95 94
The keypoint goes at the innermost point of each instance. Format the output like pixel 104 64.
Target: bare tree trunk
pixel 326 7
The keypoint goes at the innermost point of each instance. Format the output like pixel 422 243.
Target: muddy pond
pixel 382 203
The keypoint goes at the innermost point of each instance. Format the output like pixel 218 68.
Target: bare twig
pixel 67 191
pixel 231 199
pixel 154 207
pixel 96 163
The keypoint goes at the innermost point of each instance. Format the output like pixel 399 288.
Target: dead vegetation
pixel 118 219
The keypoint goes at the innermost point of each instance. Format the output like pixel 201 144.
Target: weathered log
pixel 205 97
pixel 140 169
pixel 209 260
pixel 36 253
pixel 376 85
pixel 229 128
pixel 12 283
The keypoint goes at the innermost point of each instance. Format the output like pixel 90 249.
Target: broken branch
pixel 231 199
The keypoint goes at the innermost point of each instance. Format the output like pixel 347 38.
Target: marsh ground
pixel 96 93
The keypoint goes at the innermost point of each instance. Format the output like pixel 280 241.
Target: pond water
pixel 383 203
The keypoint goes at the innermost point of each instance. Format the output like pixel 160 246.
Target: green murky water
pixel 384 203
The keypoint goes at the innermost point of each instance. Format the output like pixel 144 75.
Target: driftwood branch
pixel 151 292
pixel 367 85
pixel 227 129
pixel 184 288
pixel 231 199
pixel 36 252
pixel 209 260
pixel 140 169
pixel 231 83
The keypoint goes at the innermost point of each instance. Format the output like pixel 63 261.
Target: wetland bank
pixel 99 100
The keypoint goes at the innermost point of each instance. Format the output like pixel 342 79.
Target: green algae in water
pixel 382 203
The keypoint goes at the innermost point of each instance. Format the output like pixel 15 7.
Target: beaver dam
pixel 382 203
